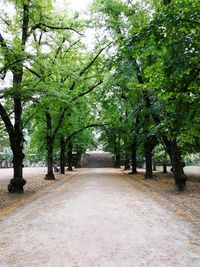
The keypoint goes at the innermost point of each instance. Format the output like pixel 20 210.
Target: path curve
pixel 96 218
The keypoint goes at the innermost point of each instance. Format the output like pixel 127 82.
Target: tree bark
pixel 17 140
pixel 17 182
pixel 62 155
pixel 78 159
pixel 70 159
pixel 117 160
pixel 49 146
pixel 126 163
pixel 148 157
pixel 16 132
pixel 134 157
pixel 178 165
pixel 154 166
pixel 164 168
pixel 117 152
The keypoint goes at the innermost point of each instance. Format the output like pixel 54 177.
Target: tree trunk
pixel 49 146
pixel 17 182
pixel 164 168
pixel 78 160
pixel 126 163
pixel 16 132
pixel 154 166
pixel 17 140
pixel 178 165
pixel 50 174
pixel 62 155
pixel 70 159
pixel 148 157
pixel 134 158
pixel 117 160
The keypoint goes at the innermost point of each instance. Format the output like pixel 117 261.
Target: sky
pixel 76 5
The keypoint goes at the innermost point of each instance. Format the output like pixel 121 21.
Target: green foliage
pixel 145 51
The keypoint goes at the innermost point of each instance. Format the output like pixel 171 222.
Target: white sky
pixel 76 5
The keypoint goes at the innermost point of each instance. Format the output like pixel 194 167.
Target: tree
pixel 165 67
pixel 30 21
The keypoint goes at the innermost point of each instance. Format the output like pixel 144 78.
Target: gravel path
pixel 96 218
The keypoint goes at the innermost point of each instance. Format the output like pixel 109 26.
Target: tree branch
pixel 82 129
pixel 60 120
pixel 88 91
pixel 32 115
pixel 2 42
pixel 89 65
pixel 93 60
pixel 25 23
pixel 43 26
pixel 6 120
pixel 33 72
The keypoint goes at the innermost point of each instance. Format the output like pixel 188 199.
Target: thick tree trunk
pixel 62 155
pixel 17 140
pixel 49 146
pixel 148 158
pixel 134 158
pixel 178 165
pixel 70 159
pixel 17 182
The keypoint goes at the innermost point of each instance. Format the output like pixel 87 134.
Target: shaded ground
pixel 101 217
pixel 162 190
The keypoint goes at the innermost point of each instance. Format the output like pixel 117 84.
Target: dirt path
pixel 96 218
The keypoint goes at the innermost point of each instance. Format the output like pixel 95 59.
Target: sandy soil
pixel 98 217
pixel 35 186
pixel 162 190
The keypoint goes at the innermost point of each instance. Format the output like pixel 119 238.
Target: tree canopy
pixel 139 82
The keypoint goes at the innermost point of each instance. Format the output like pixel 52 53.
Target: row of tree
pixel 140 81
pixel 152 97
pixel 51 73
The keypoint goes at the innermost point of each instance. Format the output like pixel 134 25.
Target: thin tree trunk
pixel 62 155
pixel 154 166
pixel 117 153
pixel 164 168
pixel 70 159
pixel 78 160
pixel 117 160
pixel 126 163
pixel 49 146
pixel 148 157
pixel 178 165
pixel 134 157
